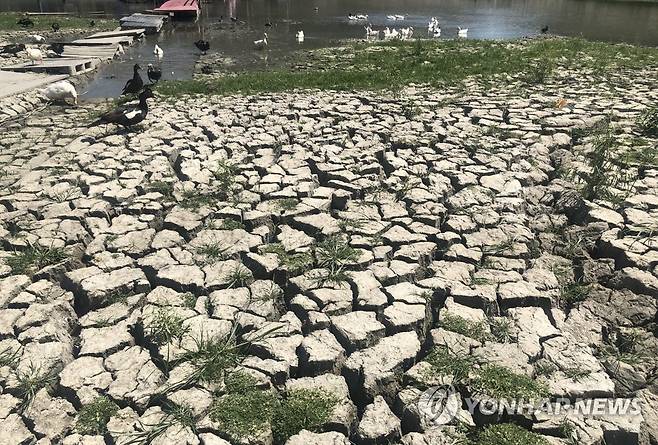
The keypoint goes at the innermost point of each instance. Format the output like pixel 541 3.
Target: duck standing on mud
pixel 154 74
pixel 127 115
pixel 134 85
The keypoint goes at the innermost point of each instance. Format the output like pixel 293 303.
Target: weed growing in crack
pixel 501 329
pixel 473 329
pixel 213 252
pixel 9 357
pixel 573 293
pixel 31 381
pixel 295 263
pixel 93 418
pixel 189 300
pixel 502 383
pixel 286 204
pixel 193 199
pixel 166 326
pixel 544 368
pixel 410 110
pixel 445 362
pixel 180 416
pixel 507 434
pixel 334 254
pixel 577 374
pixel 225 174
pixel 166 189
pixel 239 277
pixel 538 73
pixel 35 258
pixel 231 224
pixel 647 121
pixel 626 347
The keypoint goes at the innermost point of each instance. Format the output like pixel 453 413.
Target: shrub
pixel 93 418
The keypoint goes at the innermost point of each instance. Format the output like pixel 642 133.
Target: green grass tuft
pixel 301 409
pixel 165 326
pixel 647 122
pixel 35 258
pixel 508 434
pixel 446 363
pixel 502 383
pixel 93 418
pixel 455 323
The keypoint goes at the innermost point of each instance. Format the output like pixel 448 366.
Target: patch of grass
pixel 9 357
pixel 211 358
pixel 460 325
pixel 8 22
pixel 193 199
pixel 245 412
pixel 573 293
pixel 577 374
pixel 392 65
pixel 647 122
pixel 502 383
pixel 508 434
pixel 626 346
pixel 239 277
pixel 225 174
pixel 410 110
pixel 231 224
pixel 180 416
pixel 640 155
pixel 31 381
pixel 166 189
pixel 189 300
pixel 501 329
pixel 444 362
pixel 213 252
pixel 93 418
pixel 335 254
pixel 295 263
pixel 301 409
pixel 544 368
pixel 165 326
pixel 35 258
pixel 286 204
pixel 538 72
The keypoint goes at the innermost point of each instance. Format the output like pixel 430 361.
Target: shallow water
pixel 486 19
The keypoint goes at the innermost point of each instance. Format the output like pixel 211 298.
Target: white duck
pixel 120 51
pixel 60 92
pixel 261 44
pixel 432 25
pixel 362 16
pixel 437 32
pixel 300 36
pixel 34 54
pixel 36 38
pixel 399 17
pixel 159 53
pixel 390 17
pixel 462 32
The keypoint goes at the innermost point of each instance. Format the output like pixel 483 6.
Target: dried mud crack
pixel 298 268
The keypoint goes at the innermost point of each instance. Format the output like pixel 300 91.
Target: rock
pixel 378 424
pixel 320 352
pixel 305 437
pixel 52 417
pixel 357 330
pixel 14 431
pixel 376 370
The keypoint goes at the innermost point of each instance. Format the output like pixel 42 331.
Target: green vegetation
pixel 225 174
pixel 179 416
pixel 193 199
pixel 165 326
pixel 573 293
pixel 444 362
pixel 285 204
pixel 391 65
pixel 9 357
pixel 31 381
pixel 301 409
pixel 295 263
pixel 35 258
pixel 647 122
pixel 231 224
pixel 502 383
pixel 213 252
pixel 239 276
pixel 335 254
pixel 9 22
pixel 501 329
pixel 93 418
pixel 246 411
pixel 455 323
pixel 507 434
pixel 166 189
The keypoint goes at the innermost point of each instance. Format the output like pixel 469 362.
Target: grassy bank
pixel 9 22
pixel 395 64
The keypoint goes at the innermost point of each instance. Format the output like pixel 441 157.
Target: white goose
pixel 36 38
pixel 300 36
pixel 371 32
pixel 159 53
pixel 60 92
pixel 34 54
pixel 406 33
pixel 400 17
pixel 462 32
pixel 437 32
pixel 432 25
pixel 261 44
